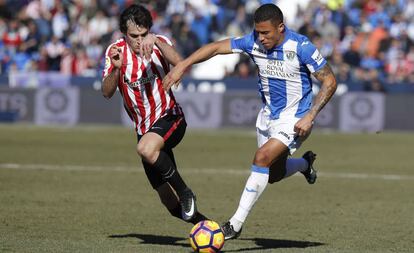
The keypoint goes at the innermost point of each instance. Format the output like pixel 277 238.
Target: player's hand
pixel 147 45
pixel 115 53
pixel 304 126
pixel 173 77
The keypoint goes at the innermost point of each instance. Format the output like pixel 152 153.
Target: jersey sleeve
pixel 164 39
pixel 165 64
pixel 311 57
pixel 242 44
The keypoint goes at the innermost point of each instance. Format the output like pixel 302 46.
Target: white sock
pixel 255 185
pixel 294 165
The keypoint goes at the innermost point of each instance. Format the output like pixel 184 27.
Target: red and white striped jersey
pixel 140 84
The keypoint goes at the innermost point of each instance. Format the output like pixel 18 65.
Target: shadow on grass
pixel 155 239
pixel 266 243
pixel 262 243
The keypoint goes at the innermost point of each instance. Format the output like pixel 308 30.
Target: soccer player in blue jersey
pixel 285 61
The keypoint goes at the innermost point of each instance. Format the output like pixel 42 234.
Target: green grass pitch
pixel 83 189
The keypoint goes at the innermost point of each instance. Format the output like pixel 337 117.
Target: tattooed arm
pixel 328 81
pixel 328 87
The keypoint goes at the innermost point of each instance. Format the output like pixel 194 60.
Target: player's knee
pixel 146 152
pixel 261 159
pixel 141 150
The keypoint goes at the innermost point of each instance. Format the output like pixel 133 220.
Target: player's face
pixel 135 35
pixel 270 35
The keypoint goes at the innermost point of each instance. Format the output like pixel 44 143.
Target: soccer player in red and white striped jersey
pixel 136 65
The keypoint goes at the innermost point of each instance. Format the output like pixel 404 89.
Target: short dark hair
pixel 138 13
pixel 268 12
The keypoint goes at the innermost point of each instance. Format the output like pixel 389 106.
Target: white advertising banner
pixel 202 110
pixel 57 106
pixel 362 112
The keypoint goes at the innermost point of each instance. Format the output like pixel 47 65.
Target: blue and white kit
pixel 285 83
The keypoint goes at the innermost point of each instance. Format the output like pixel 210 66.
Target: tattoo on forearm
pixel 327 78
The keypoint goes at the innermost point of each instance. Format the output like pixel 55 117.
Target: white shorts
pixel 281 129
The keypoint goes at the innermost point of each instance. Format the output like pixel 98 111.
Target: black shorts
pixel 172 129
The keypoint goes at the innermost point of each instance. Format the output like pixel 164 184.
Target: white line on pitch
pixel 216 171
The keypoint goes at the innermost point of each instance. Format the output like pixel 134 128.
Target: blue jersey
pixel 285 83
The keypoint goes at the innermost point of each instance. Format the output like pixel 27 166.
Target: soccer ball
pixel 206 237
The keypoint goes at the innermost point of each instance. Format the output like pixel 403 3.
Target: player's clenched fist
pixel 115 53
pixel 304 126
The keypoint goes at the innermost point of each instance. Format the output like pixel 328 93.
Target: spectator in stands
pixel 380 17
pixel 238 26
pixel 244 68
pixel 21 59
pixel 11 37
pixel 82 63
pixel 67 62
pixel 187 40
pixel 5 10
pixel 33 40
pixel 372 81
pixel 307 28
pixel 60 22
pixel 43 60
pixel 352 26
pixel 361 42
pixel 99 25
pixel 81 34
pixel 201 27
pixel 94 52
pixel 54 49
pixel 176 24
pixel 378 34
pixel 41 15
pixel 327 28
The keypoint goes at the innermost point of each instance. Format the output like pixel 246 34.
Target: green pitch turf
pixel 83 190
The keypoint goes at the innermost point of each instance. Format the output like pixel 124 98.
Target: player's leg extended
pixel 166 133
pixel 167 195
pixel 149 148
pixel 255 185
pixel 177 210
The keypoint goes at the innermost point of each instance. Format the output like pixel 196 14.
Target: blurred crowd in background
pixel 369 42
